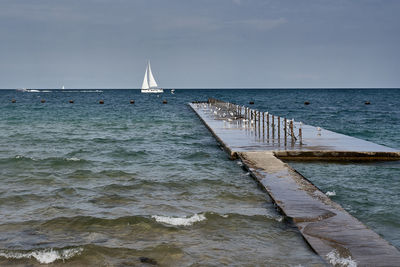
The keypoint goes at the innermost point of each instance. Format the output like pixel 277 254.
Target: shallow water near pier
pixel 91 184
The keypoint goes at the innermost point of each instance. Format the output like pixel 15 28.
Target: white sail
pixel 149 83
pixel 145 84
pixel 63 87
pixel 152 81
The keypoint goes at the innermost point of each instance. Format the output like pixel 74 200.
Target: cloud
pixel 190 23
pixel 262 24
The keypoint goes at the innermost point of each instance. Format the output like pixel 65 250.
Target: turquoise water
pixel 94 184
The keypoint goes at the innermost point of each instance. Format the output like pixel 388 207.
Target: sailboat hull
pixel 154 90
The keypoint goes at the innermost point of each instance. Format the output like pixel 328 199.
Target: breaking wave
pixel 178 221
pixel 44 256
pixel 334 258
pixel 330 193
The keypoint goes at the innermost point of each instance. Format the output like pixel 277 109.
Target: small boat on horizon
pixel 149 84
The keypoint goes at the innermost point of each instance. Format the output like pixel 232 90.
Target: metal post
pixel 279 128
pixel 285 128
pixel 268 126
pixel 259 122
pixel 255 122
pixel 273 127
pixel 263 115
pixel 291 131
pixel 300 134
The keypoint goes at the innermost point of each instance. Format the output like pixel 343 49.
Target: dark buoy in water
pixel 13 100
pixel 164 101
pixel 101 102
pixel 43 101
pixel 71 101
pixel 132 101
pixel 306 103
pixel 251 102
pixel 367 103
pixel 148 260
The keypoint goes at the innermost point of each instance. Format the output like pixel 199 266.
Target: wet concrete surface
pixel 332 232
pixel 240 135
pixel 326 226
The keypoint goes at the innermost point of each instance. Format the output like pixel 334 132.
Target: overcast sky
pixel 200 43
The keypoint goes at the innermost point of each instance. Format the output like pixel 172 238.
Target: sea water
pixel 120 184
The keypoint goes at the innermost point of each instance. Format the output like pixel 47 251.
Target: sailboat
pixel 63 87
pixel 149 84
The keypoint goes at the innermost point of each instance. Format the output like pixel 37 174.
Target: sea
pixel 145 184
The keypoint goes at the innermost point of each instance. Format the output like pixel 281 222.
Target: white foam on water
pixel 179 221
pixel 73 159
pixel 23 157
pixel 330 193
pixel 44 256
pixel 334 258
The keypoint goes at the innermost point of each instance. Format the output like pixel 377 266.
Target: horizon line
pixel 209 88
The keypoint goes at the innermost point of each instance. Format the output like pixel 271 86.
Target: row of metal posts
pixel 253 118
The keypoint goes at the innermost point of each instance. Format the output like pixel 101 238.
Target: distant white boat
pixel 63 87
pixel 149 84
pixel 173 91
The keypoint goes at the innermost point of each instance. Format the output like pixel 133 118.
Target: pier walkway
pixel 260 140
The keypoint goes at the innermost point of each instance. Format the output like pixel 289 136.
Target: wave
pixel 52 160
pixel 330 193
pixel 334 258
pixel 73 159
pixel 44 256
pixel 180 221
pixel 196 155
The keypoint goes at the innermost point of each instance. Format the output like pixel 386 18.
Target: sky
pixel 200 43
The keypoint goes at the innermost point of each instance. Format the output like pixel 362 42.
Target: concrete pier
pixel 333 233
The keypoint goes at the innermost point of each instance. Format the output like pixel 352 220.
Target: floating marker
pixel 306 103
pixel 13 100
pixel 132 101
pixel 164 101
pixel 43 101
pixel 71 101
pixel 101 102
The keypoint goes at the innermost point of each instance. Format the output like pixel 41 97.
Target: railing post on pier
pixel 268 126
pixel 285 129
pixel 263 115
pixel 292 132
pixel 259 123
pixel 273 127
pixel 255 122
pixel 279 128
pixel 300 134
